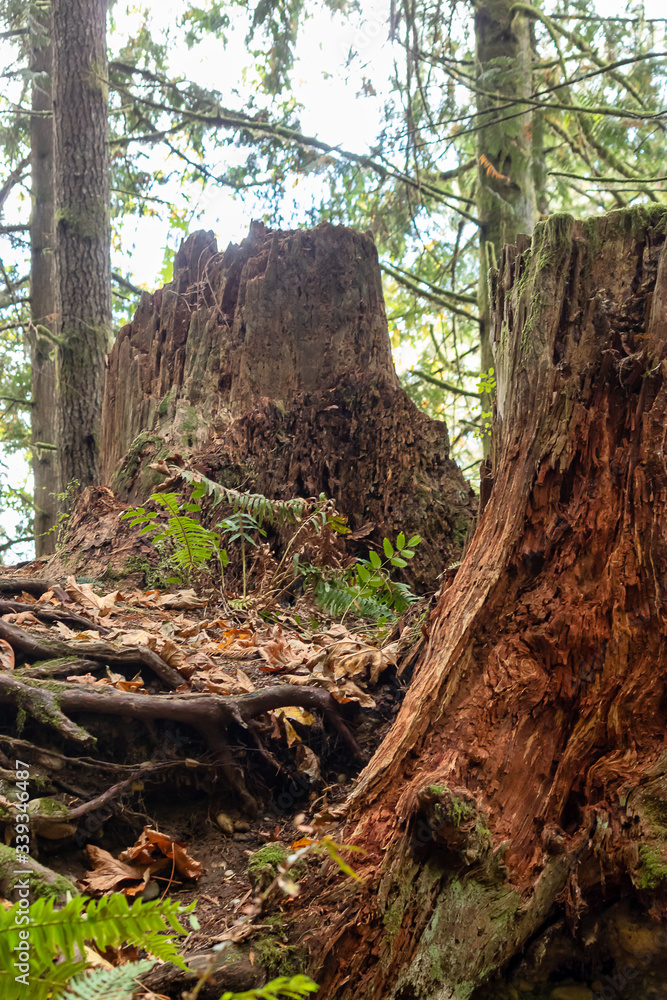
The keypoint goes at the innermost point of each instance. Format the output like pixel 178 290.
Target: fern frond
pixel 336 599
pixel 109 921
pixel 256 504
pixel 119 983
pixel 295 988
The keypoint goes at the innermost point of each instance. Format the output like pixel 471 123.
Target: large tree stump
pixel 523 788
pixel 269 367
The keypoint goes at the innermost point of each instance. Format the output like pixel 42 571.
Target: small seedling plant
pixel 369 590
pixel 193 545
pixel 242 526
pixel 373 575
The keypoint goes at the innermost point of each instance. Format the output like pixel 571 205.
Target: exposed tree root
pixel 35 649
pixel 48 614
pixel 210 714
pixel 12 584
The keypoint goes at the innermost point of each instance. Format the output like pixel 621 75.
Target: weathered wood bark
pixel 506 177
pixel 42 288
pixel 269 365
pixel 525 779
pixel 83 280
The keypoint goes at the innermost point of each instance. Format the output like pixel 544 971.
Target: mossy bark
pixel 506 177
pixel 523 787
pixel 83 270
pixel 42 287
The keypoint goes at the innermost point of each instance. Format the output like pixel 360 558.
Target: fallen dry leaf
pixel 182 599
pixel 84 595
pixel 223 684
pixel 21 618
pixel 152 845
pixel 171 653
pixel 111 875
pixel 138 637
pixel 298 715
pixel 347 691
pixel 349 657
pixel 65 631
pixel 308 763
pixel 244 681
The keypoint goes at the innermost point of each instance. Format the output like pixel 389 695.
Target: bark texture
pixel 42 289
pixel 505 145
pixel 522 791
pixel 270 365
pixel 83 280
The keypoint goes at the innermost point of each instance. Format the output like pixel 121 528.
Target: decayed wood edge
pixel 23 641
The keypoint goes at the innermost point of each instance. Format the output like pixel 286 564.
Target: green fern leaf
pixel 107 984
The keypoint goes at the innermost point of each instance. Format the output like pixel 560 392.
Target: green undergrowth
pixel 192 552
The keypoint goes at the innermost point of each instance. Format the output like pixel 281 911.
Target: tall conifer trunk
pixel 506 193
pixel 83 273
pixel 42 289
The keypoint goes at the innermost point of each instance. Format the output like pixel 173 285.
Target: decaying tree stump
pixel 269 368
pixel 522 792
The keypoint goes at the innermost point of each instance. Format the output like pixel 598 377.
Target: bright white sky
pixel 328 90
pixel 332 108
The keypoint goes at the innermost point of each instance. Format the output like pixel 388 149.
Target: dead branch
pixel 47 613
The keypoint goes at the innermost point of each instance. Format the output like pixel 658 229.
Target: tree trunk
pixel 83 273
pixel 42 290
pixel 521 795
pixel 505 193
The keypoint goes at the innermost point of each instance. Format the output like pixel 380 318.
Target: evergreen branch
pixel 470 83
pixel 448 175
pixel 439 300
pixel 236 120
pixel 601 19
pixel 124 283
pixel 16 541
pixel 438 289
pixel 533 13
pixel 16 399
pixel 447 386
pixel 13 179
pixel 607 180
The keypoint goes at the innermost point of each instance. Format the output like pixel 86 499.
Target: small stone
pixel 341 779
pixel 575 992
pixel 241 825
pixel 152 891
pixel 225 822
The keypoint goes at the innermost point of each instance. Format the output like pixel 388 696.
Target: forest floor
pixel 146 809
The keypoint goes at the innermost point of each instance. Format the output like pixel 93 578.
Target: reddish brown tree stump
pixel 522 793
pixel 268 367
